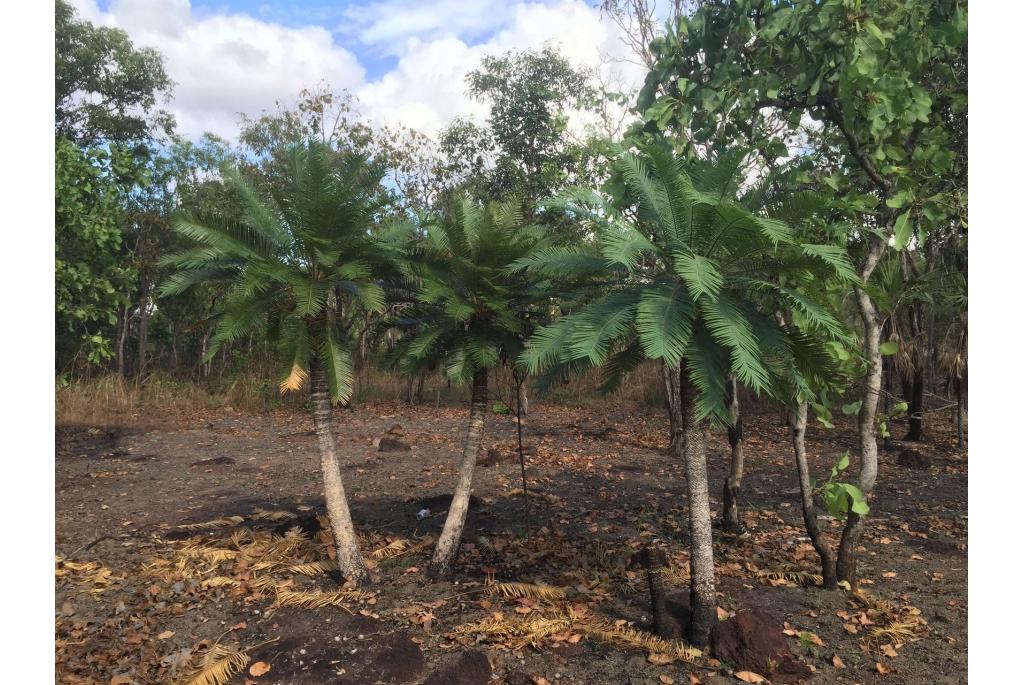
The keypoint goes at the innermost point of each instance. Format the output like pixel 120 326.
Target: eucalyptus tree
pixel 299 255
pixel 472 313
pixel 693 279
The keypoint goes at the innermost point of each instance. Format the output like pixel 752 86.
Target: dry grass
pixel 113 401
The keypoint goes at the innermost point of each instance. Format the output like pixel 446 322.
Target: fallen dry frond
pixel 628 636
pixel 272 515
pixel 528 590
pixel 312 568
pixel 517 633
pixel 216 667
pixel 222 522
pixel 392 549
pixel 316 599
pixel 800 577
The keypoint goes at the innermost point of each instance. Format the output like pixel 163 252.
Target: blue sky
pixel 404 60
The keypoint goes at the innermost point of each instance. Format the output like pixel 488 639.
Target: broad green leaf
pixel 889 347
pixel 902 230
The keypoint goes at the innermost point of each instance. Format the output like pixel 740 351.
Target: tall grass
pixel 111 400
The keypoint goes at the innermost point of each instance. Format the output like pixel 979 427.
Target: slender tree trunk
pixel 846 564
pixel 346 544
pixel 122 336
pixel 519 444
pixel 143 330
pixel 418 395
pixel 702 563
pixel 523 397
pixel 451 535
pixel 798 424
pixel 959 414
pixel 730 508
pixel 670 376
pixel 915 408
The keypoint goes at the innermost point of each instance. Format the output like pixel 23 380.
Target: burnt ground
pixel 602 485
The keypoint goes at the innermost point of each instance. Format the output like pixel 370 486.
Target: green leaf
pixel 852 408
pixel 902 230
pixel 898 409
pixel 664 321
pixel 889 347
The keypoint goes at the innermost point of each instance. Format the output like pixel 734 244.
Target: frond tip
pixel 295 380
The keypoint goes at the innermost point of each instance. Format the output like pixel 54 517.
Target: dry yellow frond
pixel 223 522
pixel 312 568
pixel 392 549
pixel 273 515
pixel 295 379
pixel 316 599
pixel 530 590
pixel 628 636
pixel 793 576
pixel 217 667
pixel 220 581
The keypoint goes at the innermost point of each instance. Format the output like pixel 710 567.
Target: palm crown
pixel 697 279
pixel 470 310
pixel 301 258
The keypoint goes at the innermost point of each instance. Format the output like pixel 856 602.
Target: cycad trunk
pixel 346 545
pixel 451 535
pixel 846 563
pixel 702 562
pixel 523 397
pixel 730 508
pixel 828 564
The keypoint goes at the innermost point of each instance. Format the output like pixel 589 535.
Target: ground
pixel 139 599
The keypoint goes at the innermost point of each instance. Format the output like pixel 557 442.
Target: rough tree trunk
pixel 654 564
pixel 846 564
pixel 451 535
pixel 671 379
pixel 346 544
pixel 915 405
pixel 798 424
pixel 702 562
pixel 730 508
pixel 122 336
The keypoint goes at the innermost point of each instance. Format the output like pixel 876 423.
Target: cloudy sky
pixel 405 60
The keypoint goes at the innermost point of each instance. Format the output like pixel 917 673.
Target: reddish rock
pixel 751 641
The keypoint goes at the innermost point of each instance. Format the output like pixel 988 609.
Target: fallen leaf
pixel 880 668
pixel 164 635
pixel 239 626
pixel 259 668
pixel 889 651
pixel 722 614
pixel 751 677
pixel 120 680
pixel 837 662
pixel 668 680
pixel 659 659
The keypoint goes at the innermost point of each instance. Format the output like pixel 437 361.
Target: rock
pixel 750 641
pixel 387 444
pixel 465 668
pixel 912 459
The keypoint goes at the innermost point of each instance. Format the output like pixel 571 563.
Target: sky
pixel 404 60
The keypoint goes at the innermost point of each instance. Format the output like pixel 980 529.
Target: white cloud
pixel 226 63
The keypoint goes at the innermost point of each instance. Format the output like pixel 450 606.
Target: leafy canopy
pixel 301 255
pixel 696 280
pixel 470 310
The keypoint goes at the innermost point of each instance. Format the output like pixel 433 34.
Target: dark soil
pixel 600 489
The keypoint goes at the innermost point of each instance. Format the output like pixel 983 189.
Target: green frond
pixel 600 325
pixel 664 322
pixel 835 256
pixel 625 247
pixel 700 273
pixel 730 327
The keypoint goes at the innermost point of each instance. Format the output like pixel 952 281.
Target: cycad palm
pixel 697 278
pixel 472 313
pixel 296 260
